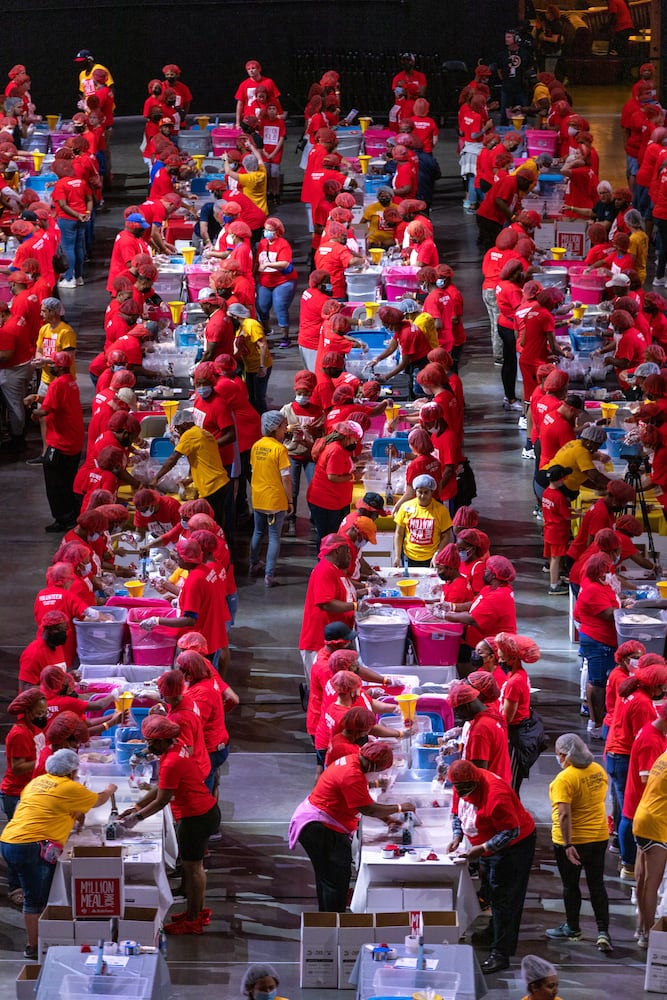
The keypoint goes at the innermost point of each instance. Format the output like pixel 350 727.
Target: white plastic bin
pixel 382 636
pixel 652 634
pixel 102 642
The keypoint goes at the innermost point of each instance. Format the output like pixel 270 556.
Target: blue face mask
pixel 117 368
pixel 327 288
pixel 262 995
pixel 302 400
pixel 464 555
pixel 227 218
pixel 94 536
pixel 440 283
pixel 184 524
pixel 269 234
pixel 204 391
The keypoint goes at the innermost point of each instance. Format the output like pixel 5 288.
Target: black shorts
pixel 192 833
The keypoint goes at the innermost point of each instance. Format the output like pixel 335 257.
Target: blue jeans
pixel 217 758
pixel 73 239
pixel 626 842
pixel 25 865
pixel 600 660
pixel 295 470
pixel 271 523
pixel 617 769
pixel 280 298
pixel 233 606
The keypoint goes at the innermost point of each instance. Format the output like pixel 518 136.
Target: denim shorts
pixel 600 660
pixel 32 873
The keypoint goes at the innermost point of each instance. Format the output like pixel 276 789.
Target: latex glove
pixel 130 821
pixel 92 614
pixel 148 623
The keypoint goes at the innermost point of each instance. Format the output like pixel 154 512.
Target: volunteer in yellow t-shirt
pixel 206 469
pixel 423 526
pixel 55 335
pixel 578 456
pixel 252 349
pixel 650 830
pixel 580 834
pixel 33 838
pixel 271 492
pixel 253 182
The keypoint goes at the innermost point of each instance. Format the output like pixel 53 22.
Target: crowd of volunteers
pixel 246 452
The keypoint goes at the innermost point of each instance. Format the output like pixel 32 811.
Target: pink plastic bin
pixel 154 648
pixel 399 280
pixel 58 140
pixel 224 138
pixel 436 642
pixel 586 288
pixel 375 140
pixel 125 601
pixel 541 141
pixel 197 278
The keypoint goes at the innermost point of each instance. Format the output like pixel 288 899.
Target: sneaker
pixel 527 453
pixel 596 733
pixel 613 847
pixel 270 581
pixel 627 873
pixel 659 282
pixel 537 511
pixel 546 568
pixel 67 284
pixel 37 460
pixel 557 590
pixel 78 282
pixel 204 916
pixel 256 569
pixel 15 897
pixel 185 926
pixel 642 940
pixel 498 362
pixel 583 710
pixel 522 423
pixel 563 933
pixel 603 942
pixel 31 953
pixel 290 528
pixel 284 343
pixel 515 407
pixel 539 516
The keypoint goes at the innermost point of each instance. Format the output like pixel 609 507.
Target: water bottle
pixel 162 943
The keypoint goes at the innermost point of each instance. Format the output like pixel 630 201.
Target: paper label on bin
pixel 411 963
pixel 118 960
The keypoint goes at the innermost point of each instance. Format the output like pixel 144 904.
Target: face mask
pixel 117 368
pixel 269 234
pixel 204 391
pixel 633 664
pixel 148 512
pixel 85 570
pixel 184 524
pixel 94 536
pixel 227 218
pixel 55 372
pixel 302 400
pixel 440 283
pixel 56 638
pixel 262 995
pixel 505 667
pixel 351 447
pixel 572 131
pixel 230 241
pixel 443 577
pixel 327 288
pixel 464 555
pixel 39 722
pixel 487 578
pixel 476 659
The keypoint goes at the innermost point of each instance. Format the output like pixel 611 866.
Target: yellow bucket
pixel 199 159
pixel 662 587
pixel 53 121
pixel 578 312
pixel 608 410
pixel 364 122
pixel 408 705
pixel 407 587
pixel 518 121
pixel 124 701
pixel 135 587
pixel 364 160
pixel 37 159
pixel 202 121
pixel 371 308
pixel 377 254
pixel 391 413
pixel 170 406
pixel 557 252
pixel 188 254
pixel 176 309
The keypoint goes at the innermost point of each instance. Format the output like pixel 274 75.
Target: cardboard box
pixel 142 895
pixel 354 930
pixel 384 898
pixel 26 982
pixel 318 959
pixel 427 897
pixel 391 928
pixel 655 980
pixel 56 926
pixel 441 926
pixel 97 882
pixel 90 931
pixel 139 924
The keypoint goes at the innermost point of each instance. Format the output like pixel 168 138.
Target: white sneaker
pixel 522 425
pixel 64 283
pixel 78 281
pixel 528 453
pixel 659 282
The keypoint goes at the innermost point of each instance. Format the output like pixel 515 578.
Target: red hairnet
pixel 189 550
pixel 463 771
pixel 461 693
pixel 390 316
pixel 344 681
pixel 25 701
pixel 170 684
pixel 371 390
pixel 486 686
pixel 597 566
pixel 336 230
pixel 73 553
pixel 316 277
pixel 510 269
pixel 194 641
pixel 51 681
pixel 240 229
pixel 470 536
pixel 115 513
pixel 343 394
pixel 607 540
pixel 358 720
pixel 206 371
pixel 448 556
pixel 430 413
pixel 305 380
pixel 110 458
pixel 123 380
pixel 66 726
pixel 340 323
pixel 207 541
pixel 557 381
pixel 465 517
pixel 333 359
pixel 193 665
pixel 432 375
pixel 629 525
pixel 507 239
pixel 146 498
pixel 621 491
pixel 92 521
pixel 517 647
pixel 343 659
pixel 420 440
pixel 122 421
pixel 632 648
pixel 330 308
pixel 379 754
pixel 159 727
pixel 439 356
pixel 198 506
pixel 330 543
pixel 60 574
pixel 53 618
pixel 203 522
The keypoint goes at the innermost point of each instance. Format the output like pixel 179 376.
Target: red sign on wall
pixel 97 897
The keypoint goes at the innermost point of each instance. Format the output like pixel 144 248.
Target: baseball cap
pixel 82 55
pixel 557 472
pixel 373 502
pixel 338 630
pixel 618 279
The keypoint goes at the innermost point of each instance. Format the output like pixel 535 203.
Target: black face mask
pixel 350 447
pixel 476 659
pixel 505 667
pixel 39 722
pixel 54 639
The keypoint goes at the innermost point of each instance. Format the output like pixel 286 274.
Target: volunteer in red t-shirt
pixel 330 597
pixel 64 435
pixel 513 651
pixel 594 611
pixel 493 608
pixel 155 513
pixel 649 744
pixel 24 741
pixel 272 130
pixel 276 278
pixel 502 833
pixel 197 811
pixel 484 737
pixel 310 316
pixel 324 822
pixel 73 200
pixel 329 492
pixel 206 692
pixel 58 595
pixel 46 650
pixel 334 257
pixel 246 90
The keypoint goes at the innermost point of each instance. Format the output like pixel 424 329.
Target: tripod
pixel 633 478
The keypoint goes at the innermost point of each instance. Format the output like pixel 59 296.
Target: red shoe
pixel 204 916
pixel 185 927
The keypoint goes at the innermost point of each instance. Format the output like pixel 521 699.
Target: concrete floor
pixel 257 888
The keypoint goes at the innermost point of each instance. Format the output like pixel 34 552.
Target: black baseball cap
pixel 372 501
pixel 556 472
pixel 338 631
pixel 82 55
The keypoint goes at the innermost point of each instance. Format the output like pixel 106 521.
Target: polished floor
pixel 257 888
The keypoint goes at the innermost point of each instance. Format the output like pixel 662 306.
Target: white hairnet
pixel 591 432
pixel 575 750
pixel 62 763
pixel 534 968
pixel 183 417
pixel 256 972
pixel 250 163
pixel 271 421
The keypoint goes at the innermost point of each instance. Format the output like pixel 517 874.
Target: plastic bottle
pixel 162 942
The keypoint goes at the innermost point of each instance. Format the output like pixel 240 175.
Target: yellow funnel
pixel 371 308
pixel 558 252
pixel 124 701
pixel 170 406
pixel 37 159
pixel 407 587
pixel 53 121
pixel 202 121
pixel 377 254
pixel 188 254
pixel 365 122
pixel 364 160
pixel 518 121
pixel 391 413
pixel 578 312
pixel 608 410
pixel 408 705
pixel 135 587
pixel 199 159
pixel 662 587
pixel 176 309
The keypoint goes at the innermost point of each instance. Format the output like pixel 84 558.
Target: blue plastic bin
pixel 161 448
pixel 371 184
pixel 380 446
pixel 585 343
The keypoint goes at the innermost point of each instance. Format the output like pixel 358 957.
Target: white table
pixel 459 958
pixel 67 961
pixel 436 833
pixel 148 849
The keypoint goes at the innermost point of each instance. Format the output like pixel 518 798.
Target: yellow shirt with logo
pixel 52 339
pixel 208 472
pixel 585 789
pixel 650 819
pixel 252 332
pixel 576 456
pixel 424 528
pixel 47 810
pixel 268 459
